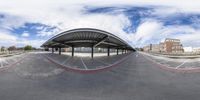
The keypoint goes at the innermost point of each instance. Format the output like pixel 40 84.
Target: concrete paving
pixel 180 63
pixel 7 61
pixel 137 78
pixel 85 62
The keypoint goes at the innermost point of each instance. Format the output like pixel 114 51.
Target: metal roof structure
pixel 86 37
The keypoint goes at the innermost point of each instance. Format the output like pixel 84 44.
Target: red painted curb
pixel 90 70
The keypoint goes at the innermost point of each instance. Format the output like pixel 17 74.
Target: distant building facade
pixel 192 50
pixel 188 49
pixel 173 46
pixel 196 50
pixel 168 46
pixel 162 47
pixel 155 47
pixel 146 48
pixel 152 48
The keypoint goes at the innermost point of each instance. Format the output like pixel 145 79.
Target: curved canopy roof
pixel 86 37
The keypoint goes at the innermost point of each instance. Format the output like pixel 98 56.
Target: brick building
pixel 173 46
pixel 168 46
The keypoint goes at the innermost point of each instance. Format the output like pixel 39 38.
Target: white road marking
pixel 136 55
pixel 65 61
pixel 181 64
pixel 84 64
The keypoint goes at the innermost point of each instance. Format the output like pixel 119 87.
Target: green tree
pixel 28 47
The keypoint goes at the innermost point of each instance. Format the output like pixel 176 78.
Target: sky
pixel 138 22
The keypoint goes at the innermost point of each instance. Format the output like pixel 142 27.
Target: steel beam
pixel 102 40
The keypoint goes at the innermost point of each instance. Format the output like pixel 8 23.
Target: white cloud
pixel 34 43
pixel 67 15
pixel 7 39
pixel 154 32
pixel 45 32
pixel 148 30
pixel 5 36
pixel 25 34
pixel 69 18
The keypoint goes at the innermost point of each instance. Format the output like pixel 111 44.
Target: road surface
pixel 136 78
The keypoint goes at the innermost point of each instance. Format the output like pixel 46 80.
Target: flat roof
pixel 86 37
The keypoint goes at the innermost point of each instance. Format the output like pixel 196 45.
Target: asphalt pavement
pixel 136 78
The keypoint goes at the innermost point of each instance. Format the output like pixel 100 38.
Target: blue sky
pixel 139 22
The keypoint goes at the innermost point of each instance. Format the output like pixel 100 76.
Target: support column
pixel 59 50
pixel 122 51
pixel 117 51
pixel 72 51
pixel 108 51
pixel 52 50
pixel 92 51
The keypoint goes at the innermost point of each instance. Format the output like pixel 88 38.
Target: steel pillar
pixel 92 51
pixel 72 51
pixel 117 51
pixel 59 51
pixel 52 50
pixel 108 51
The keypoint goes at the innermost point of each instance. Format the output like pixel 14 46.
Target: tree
pixel 28 47
pixel 11 48
pixel 3 48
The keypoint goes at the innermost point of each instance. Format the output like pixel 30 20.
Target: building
pixel 173 46
pixel 188 49
pixel 152 48
pixel 146 48
pixel 168 46
pixel 196 50
pixel 162 47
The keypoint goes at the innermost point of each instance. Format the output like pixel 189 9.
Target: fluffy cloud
pixel 25 34
pixel 155 32
pixel 22 42
pixel 62 19
pixel 65 15
pixel 5 36
pixel 147 31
